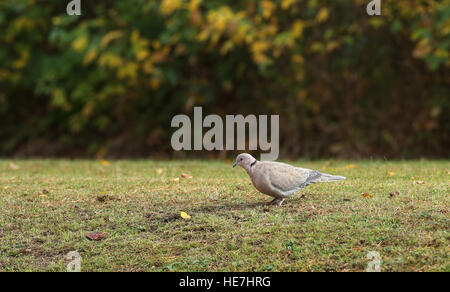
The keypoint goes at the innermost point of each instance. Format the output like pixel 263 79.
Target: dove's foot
pixel 273 201
pixel 280 202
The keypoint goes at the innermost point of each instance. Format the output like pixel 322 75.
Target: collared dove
pixel 280 180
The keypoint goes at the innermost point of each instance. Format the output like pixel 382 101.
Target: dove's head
pixel 244 160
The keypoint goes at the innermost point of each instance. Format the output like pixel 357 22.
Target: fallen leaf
pixel 419 182
pixel 45 192
pixel 104 197
pixel 159 170
pixel 6 187
pixel 104 163
pixel 95 236
pixel 13 166
pixel 185 175
pixel 393 194
pixel 366 195
pixel 350 166
pixel 25 251
pixel 175 179
pixel 185 215
pixel 391 173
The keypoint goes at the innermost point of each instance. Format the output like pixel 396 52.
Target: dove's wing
pixel 286 178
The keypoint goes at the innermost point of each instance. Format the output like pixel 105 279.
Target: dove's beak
pixel 235 164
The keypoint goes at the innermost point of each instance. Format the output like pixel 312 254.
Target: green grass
pixel 47 207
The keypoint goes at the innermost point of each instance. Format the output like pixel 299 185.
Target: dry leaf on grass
pixel 95 236
pixel 13 166
pixel 159 170
pixel 175 179
pixel 419 182
pixel 350 166
pixel 393 194
pixel 104 163
pixel 105 197
pixel 366 195
pixel 184 215
pixel 185 175
pixel 391 173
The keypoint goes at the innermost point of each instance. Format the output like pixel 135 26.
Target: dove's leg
pixel 273 201
pixel 280 202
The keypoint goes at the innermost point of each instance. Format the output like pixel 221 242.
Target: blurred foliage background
pixel 107 83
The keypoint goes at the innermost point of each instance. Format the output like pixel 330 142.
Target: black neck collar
pixel 253 163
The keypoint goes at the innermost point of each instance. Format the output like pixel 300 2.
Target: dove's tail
pixel 328 177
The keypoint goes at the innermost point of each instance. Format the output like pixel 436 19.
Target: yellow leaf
pixel 185 215
pixel 298 59
pixel 366 195
pixel 332 45
pixel 56 20
pixel 111 60
pixel 391 173
pixel 109 37
pixel 350 166
pixel 175 179
pixel 268 8
pixel 297 28
pixel 322 15
pixel 22 61
pixel 142 54
pixel 193 5
pixel 129 70
pixel 104 162
pixel 422 49
pixel 159 171
pixel 169 6
pixel 90 56
pixel 285 4
pixel 80 43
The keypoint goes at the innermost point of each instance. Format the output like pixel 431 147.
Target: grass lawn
pixel 47 207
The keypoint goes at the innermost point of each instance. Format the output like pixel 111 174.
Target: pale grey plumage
pixel 280 180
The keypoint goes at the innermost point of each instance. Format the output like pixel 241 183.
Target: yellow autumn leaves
pixel 169 6
pixel 255 26
pixel 185 216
